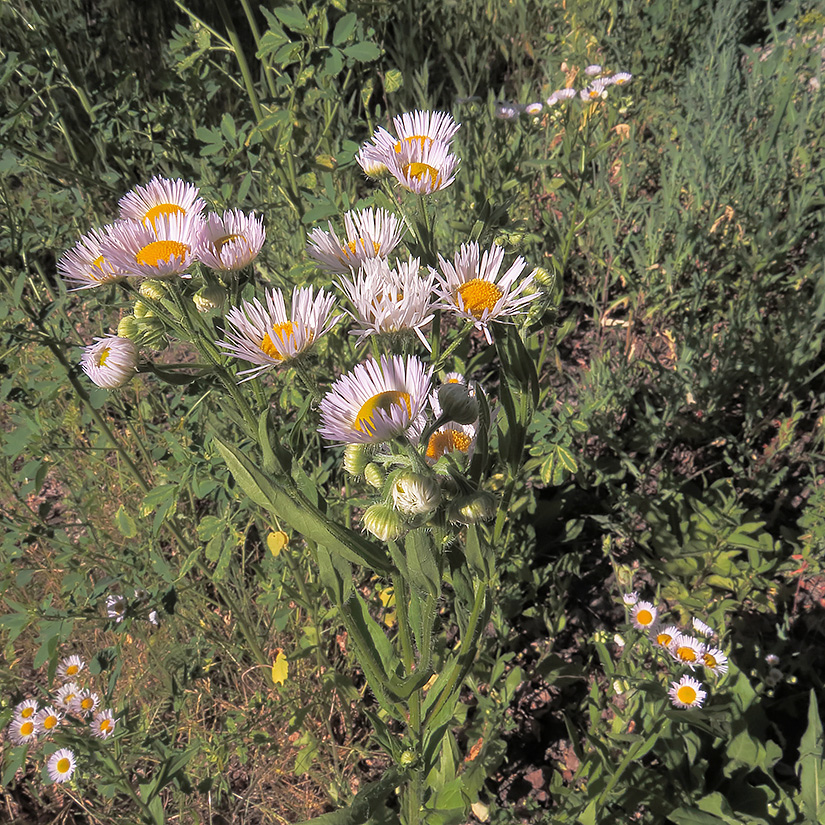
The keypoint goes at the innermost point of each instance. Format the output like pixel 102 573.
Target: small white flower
pixel 643 615
pixel 66 694
pixel 390 300
pixel 61 765
pixel 372 158
pixel 700 627
pixel 593 70
pixel 619 79
pixel 85 702
pixel 595 91
pixel 22 730
pixel 376 401
pixel 26 709
pixel 565 94
pixel 267 336
pixel 713 659
pixel 422 128
pixel 70 667
pixel 230 242
pixel 687 651
pixel 687 693
pixel 47 719
pixel 772 660
pixel 84 267
pixel 110 362
pixel 159 198
pixel 665 636
pixel 370 233
pixel 507 111
pixel 533 108
pixel 630 598
pixel 103 724
pixel 426 170
pixel 416 495
pixel 116 607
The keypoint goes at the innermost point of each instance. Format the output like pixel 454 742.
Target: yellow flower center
pixel 87 703
pixel 447 441
pixel 97 276
pixel 620 82
pixel 664 639
pixel 159 252
pixel 644 617
pixel 101 360
pixel 68 698
pixel 72 669
pixel 419 170
pixel 355 246
pixel 27 729
pixel 479 295
pixel 709 659
pixel 221 242
pixel 686 654
pixel 49 722
pixel 160 211
pixel 384 402
pixel 27 713
pixel 594 93
pixel 105 725
pixel 686 694
pixel 281 333
pixel 63 765
pixel 422 139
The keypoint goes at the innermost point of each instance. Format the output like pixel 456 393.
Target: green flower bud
pixel 356 459
pixel 458 403
pixel 408 759
pixel 152 333
pixel 209 298
pixel 143 309
pixel 382 522
pixel 129 327
pixel 374 476
pixel 416 495
pixel 472 508
pixel 545 279
pixel 152 289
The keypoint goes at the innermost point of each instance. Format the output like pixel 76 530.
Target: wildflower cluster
pixel 599 81
pixel 35 724
pixel 684 649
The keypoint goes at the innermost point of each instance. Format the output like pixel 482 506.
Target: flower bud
pixel 457 403
pixel 356 458
pixel 374 476
pixel 152 333
pixel 382 522
pixel 143 309
pixel 416 495
pixel 152 289
pixel 545 279
pixel 110 362
pixel 129 327
pixel 209 298
pixel 408 759
pixel 472 508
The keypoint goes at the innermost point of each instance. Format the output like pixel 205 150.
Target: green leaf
pixel 344 28
pixel 293 18
pixel 393 81
pixel 363 52
pixel 421 562
pixel 365 806
pixel 809 767
pixel 566 458
pixel 271 41
pixel 125 523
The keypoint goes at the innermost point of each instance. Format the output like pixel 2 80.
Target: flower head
pixel 22 729
pixel 373 159
pixel 390 300
pixel 630 598
pixel 371 233
pixel 84 266
pixel 110 362
pixel 47 719
pixel 415 495
pixel 422 129
pixel 70 667
pixel 700 627
pixel 103 724
pixel 66 694
pixel 593 70
pixel 595 91
pixel 713 659
pixel 423 167
pixel 160 198
pixel 665 636
pixel 26 709
pixel 85 702
pixel 164 248
pixel 61 765
pixel 116 607
pixel 564 94
pixel 267 336
pixel 619 79
pixel 687 650
pixel 643 615
pixel 376 401
pixel 230 242
pixel 687 693
pixel 472 287
pixel 507 111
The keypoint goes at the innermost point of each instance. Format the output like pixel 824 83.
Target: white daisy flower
pixel 700 627
pixel 70 667
pixel 372 156
pixel 47 720
pixel 116 607
pixel 593 70
pixel 110 362
pixel 22 730
pixel 595 91
pixel 772 659
pixel 665 636
pixel 421 129
pixel 423 171
pixel 619 79
pixel 26 709
pixel 713 659
pixel 507 111
pixel 84 267
pixel 230 242
pixel 160 198
pixel 533 108
pixel 687 693
pixel 630 598
pixel 376 401
pixel 267 336
pixel 61 765
pixel 416 495
pixel 643 615
pixel 552 100
pixel 389 300
pixel 472 287
pixel 164 248
pixel 85 702
pixel 565 94
pixel 687 651
pixel 103 724
pixel 451 438
pixel 66 694
pixel 371 233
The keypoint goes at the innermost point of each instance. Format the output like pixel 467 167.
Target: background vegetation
pixel 679 450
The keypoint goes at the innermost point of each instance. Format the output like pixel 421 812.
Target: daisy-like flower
pixel 643 615
pixel 565 94
pixel 552 100
pixel 665 636
pixel 61 765
pixel 472 287
pixel 415 495
pixel 267 336
pixel 700 627
pixel 713 659
pixel 507 111
pixel 533 108
pixel 686 650
pixel 376 401
pixel 103 724
pixel 70 667
pixel 619 79
pixel 390 300
pixel 630 598
pixel 595 91
pixel 160 198
pixel 422 129
pixel 451 438
pixel 66 694
pixel 110 362
pixel 26 709
pixel 687 693
pixel 85 702
pixel 371 233
pixel 116 607
pixel 593 70
pixel 22 730
pixel 426 170
pixel 772 659
pixel 84 266
pixel 164 248
pixel 47 720
pixel 230 242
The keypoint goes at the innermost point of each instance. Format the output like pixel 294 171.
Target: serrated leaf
pixel 293 18
pixel 363 52
pixel 125 523
pixel 344 28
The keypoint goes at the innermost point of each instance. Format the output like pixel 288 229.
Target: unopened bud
pixel 152 333
pixel 416 495
pixel 382 521
pixel 457 403
pixel 472 508
pixel 152 289
pixel 129 327
pixel 209 298
pixel 356 458
pixel 374 476
pixel 143 309
pixel 544 278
